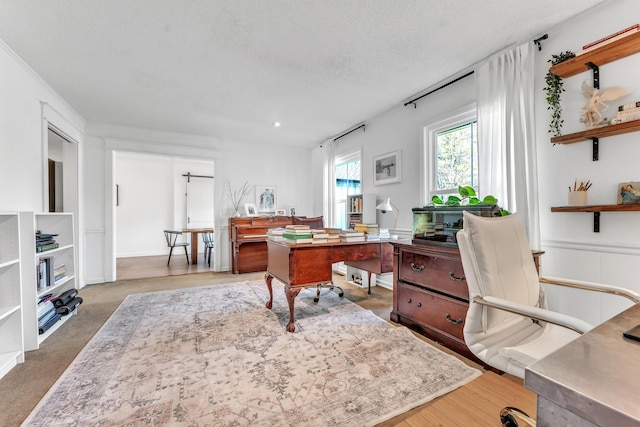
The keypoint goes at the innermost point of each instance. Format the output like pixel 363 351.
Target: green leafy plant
pixel 554 87
pixel 467 196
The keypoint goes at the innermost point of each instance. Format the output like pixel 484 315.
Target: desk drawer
pixel 435 311
pixel 441 273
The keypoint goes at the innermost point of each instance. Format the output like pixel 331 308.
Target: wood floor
pixel 477 403
pixel 156 266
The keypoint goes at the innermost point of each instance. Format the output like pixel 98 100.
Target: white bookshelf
pixel 361 208
pixel 11 330
pixel 48 223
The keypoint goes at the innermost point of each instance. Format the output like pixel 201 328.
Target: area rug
pixel 216 356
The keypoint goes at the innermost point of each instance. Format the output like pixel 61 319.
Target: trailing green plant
pixel 467 197
pixel 554 88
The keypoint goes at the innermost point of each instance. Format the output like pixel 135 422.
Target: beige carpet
pixel 216 356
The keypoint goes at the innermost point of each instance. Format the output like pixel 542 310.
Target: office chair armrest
pixel 596 287
pixel 536 313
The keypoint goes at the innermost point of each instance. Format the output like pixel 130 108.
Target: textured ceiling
pixel 229 69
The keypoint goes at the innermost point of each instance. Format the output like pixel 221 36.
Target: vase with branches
pixel 237 196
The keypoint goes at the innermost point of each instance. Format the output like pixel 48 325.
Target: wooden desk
pixel 593 380
pixel 195 232
pixel 300 266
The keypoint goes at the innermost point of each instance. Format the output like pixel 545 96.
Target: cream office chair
pixel 508 325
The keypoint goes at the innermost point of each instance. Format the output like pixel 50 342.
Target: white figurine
pixel 591 113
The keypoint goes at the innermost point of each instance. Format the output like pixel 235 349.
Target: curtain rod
pixel 413 101
pixel 352 130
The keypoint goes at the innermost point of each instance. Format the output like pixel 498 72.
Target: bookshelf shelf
pixel 11 331
pixel 61 226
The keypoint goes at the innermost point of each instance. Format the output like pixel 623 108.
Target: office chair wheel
pixel 341 294
pixel 316 299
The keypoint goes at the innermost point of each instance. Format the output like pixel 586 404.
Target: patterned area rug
pixel 216 356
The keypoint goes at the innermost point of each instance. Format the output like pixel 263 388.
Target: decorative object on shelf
pixel 292 210
pixel 467 197
pixel 250 209
pixel 387 206
pixel 553 89
pixel 629 193
pixel 591 114
pixel 281 212
pixel 387 168
pixel 266 198
pixel 237 196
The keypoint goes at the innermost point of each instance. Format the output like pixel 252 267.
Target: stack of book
pixel 352 236
pixel 610 39
pixel 627 113
pixel 59 272
pixel 44 273
pixel 45 242
pixel 297 234
pixel 319 236
pixel 275 234
pixel 384 233
pixel 47 316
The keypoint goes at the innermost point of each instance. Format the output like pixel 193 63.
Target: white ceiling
pixel 230 68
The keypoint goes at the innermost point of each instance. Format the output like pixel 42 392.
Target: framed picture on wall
pixel 266 198
pixel 387 168
pixel 629 193
pixel 250 209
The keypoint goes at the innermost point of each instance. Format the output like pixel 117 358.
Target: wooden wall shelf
pixel 596 209
pixel 589 134
pixel 607 53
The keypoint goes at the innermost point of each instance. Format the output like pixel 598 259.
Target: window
pixel 451 155
pixel 348 178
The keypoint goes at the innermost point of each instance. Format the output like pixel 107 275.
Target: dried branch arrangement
pixel 238 195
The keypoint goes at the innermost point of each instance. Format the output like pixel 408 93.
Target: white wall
pixel 27 105
pixel 286 168
pixel 572 249
pixel 400 128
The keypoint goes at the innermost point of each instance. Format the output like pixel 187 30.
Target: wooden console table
pixel 304 265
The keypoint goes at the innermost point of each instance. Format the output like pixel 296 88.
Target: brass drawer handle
pixel 453 277
pixel 414 268
pixel 455 322
pixel 409 301
pixel 419 304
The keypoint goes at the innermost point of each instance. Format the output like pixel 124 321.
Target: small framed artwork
pixel 281 212
pixel 387 168
pixel 629 193
pixel 250 209
pixel 266 198
pixel 292 210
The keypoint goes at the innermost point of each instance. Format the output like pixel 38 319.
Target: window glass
pixel 348 178
pixel 450 154
pixel 456 158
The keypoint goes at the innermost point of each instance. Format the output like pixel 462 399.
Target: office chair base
pixel 327 285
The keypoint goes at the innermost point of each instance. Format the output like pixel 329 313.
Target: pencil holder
pixel 577 198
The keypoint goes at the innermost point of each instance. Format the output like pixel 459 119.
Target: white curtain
pixel 506 134
pixel 329 186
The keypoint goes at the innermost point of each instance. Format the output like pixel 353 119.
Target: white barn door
pixel 199 202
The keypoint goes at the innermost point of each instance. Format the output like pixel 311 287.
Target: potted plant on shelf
pixel 553 89
pixel 467 196
pixel 237 196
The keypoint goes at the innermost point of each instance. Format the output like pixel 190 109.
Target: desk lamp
pixel 388 206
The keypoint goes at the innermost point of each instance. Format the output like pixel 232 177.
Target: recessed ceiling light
pixel 276 124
